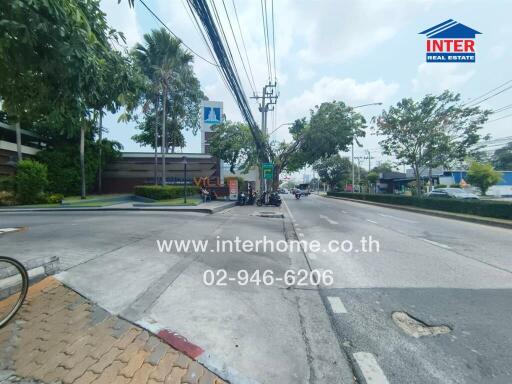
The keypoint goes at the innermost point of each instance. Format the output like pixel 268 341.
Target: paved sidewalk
pixel 60 337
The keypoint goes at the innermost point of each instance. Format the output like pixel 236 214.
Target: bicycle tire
pixel 24 288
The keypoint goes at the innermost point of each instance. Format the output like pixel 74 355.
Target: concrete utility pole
pixel 369 160
pixel 268 99
pixel 359 158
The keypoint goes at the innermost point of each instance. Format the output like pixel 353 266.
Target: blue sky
pixel 355 51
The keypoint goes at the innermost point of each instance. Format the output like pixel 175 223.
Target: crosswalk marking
pixel 336 304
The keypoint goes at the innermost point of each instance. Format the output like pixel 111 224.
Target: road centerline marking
pixel 328 220
pixel 370 369
pixel 436 243
pixel 371 221
pixel 336 304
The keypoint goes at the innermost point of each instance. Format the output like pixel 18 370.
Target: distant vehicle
pixel 282 191
pixel 304 189
pixel 452 193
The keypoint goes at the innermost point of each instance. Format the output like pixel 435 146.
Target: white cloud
pixel 435 77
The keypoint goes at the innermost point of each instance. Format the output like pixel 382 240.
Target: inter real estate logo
pixel 450 42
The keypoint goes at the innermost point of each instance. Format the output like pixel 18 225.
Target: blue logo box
pixel 443 57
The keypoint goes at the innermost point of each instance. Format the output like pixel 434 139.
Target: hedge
pixel 496 209
pixel 158 192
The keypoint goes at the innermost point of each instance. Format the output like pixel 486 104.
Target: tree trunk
pixel 430 179
pixel 275 180
pixel 82 159
pixel 100 153
pixel 164 136
pixel 18 141
pixel 156 140
pixel 418 180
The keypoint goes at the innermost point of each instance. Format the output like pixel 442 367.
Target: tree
pixel 58 66
pixel 330 129
pixel 171 83
pixel 483 176
pixel 386 166
pixel 334 169
pixel 431 132
pixel 502 158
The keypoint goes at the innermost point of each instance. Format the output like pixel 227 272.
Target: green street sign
pixel 268 171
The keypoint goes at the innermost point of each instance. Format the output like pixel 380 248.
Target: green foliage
pixel 31 181
pixel 496 209
pixel 502 158
pixel 7 198
pixel 386 166
pixel 431 132
pixel 7 183
pixel 55 198
pixel 334 170
pixel 63 164
pixel 170 82
pixel 233 143
pixel 158 192
pixel 454 185
pixel 441 186
pixel 483 176
pixel 372 177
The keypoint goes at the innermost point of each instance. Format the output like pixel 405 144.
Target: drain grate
pixel 416 328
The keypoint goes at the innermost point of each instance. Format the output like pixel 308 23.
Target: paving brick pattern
pixel 59 337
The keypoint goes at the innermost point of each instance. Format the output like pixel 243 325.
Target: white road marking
pixel 371 221
pixel 336 304
pixel 398 218
pixel 370 368
pixel 5 230
pixel 436 243
pixel 328 220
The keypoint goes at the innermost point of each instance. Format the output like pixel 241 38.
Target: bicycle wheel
pixel 13 288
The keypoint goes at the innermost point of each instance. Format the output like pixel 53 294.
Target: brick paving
pixel 59 337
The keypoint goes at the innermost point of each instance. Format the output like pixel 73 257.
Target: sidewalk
pixel 210 207
pixel 58 336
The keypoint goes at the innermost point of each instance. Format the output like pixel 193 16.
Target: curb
pixel 446 215
pixel 110 209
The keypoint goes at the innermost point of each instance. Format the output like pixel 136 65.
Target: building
pixel 31 144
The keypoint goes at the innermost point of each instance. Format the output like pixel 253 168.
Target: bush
pixel 7 198
pixel 440 186
pixel 496 209
pixel 454 185
pixel 158 192
pixel 55 198
pixel 7 183
pixel 31 180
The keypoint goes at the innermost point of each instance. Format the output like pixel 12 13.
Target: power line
pixel 500 118
pixel 487 93
pixel 274 41
pixel 243 43
pixel 502 109
pixel 238 49
pixel 265 35
pixel 172 33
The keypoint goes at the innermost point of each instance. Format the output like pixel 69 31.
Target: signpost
pixel 233 188
pixel 268 171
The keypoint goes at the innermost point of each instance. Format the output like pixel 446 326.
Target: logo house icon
pixel 450 42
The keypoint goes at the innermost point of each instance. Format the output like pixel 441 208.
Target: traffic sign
pixel 268 171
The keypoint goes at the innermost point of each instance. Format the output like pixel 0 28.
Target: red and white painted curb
pixel 195 352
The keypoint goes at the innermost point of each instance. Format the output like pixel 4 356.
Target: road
pixel 441 272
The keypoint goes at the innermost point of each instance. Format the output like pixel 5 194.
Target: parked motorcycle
pixel 242 198
pixel 273 199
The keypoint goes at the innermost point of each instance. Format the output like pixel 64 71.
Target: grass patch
pixel 179 201
pixel 77 199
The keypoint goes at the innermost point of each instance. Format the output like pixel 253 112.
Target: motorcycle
pixel 273 199
pixel 297 195
pixel 242 198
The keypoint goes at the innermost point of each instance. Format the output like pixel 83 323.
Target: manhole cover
pixel 416 328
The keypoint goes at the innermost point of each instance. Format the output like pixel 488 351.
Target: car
pixel 282 191
pixel 452 193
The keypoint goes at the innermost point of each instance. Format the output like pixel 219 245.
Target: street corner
pixel 59 336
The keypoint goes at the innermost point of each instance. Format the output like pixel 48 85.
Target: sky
pixel 355 51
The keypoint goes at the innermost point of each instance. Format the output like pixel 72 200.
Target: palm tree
pixel 165 64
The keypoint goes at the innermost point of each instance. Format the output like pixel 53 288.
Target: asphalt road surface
pixel 441 272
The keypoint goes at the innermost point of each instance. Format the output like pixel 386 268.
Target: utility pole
pixel 268 99
pixel 353 172
pixel 369 160
pixel 359 158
